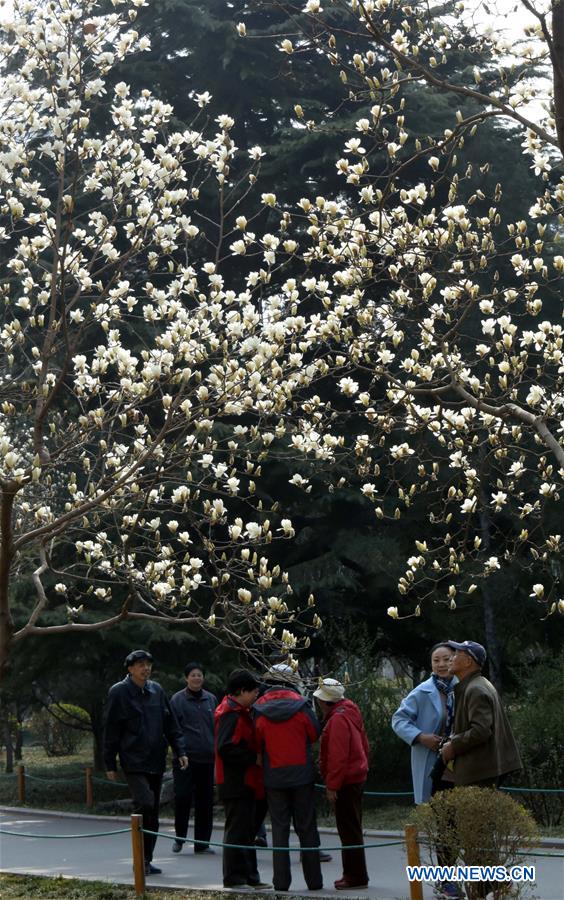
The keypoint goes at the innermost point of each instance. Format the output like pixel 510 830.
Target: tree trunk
pixel 6 559
pixel 494 655
pixel 18 746
pixel 97 722
pixel 9 747
pixel 558 68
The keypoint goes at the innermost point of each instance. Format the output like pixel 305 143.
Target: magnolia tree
pixel 155 353
pixel 443 314
pixel 138 393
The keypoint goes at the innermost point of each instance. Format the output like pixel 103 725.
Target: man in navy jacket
pixel 140 724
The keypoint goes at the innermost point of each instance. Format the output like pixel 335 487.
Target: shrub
pixel 474 826
pixel 60 728
pixel 538 729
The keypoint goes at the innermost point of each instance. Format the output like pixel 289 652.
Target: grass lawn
pixel 25 887
pixel 61 785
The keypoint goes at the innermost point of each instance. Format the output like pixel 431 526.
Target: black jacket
pixel 194 713
pixel 140 724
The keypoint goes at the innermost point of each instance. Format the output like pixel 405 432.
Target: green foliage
pixel 477 827
pixel 377 698
pixel 537 723
pixel 389 758
pixel 60 728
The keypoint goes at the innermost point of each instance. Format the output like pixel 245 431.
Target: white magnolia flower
pixel 203 99
pixel 348 387
pixel 535 395
pixel 253 531
pixel 287 527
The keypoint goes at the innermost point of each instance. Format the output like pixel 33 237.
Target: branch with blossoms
pixel 131 382
pixel 432 300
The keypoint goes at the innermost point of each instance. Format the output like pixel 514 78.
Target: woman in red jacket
pixel 344 766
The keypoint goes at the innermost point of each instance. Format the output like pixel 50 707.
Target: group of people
pixel 257 744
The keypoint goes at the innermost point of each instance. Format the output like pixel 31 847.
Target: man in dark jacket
pixel 343 761
pixel 286 728
pixel 194 708
pixel 139 726
pixel 239 779
pixel 482 744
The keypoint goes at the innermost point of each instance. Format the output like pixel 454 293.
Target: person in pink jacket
pixel 344 766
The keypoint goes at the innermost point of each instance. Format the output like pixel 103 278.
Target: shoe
pixel 261 842
pixel 316 887
pixel 177 846
pixel 150 869
pixel 342 884
pixel 237 886
pixel 260 885
pixel 204 850
pixel 448 890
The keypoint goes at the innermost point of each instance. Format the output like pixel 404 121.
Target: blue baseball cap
pixel 472 648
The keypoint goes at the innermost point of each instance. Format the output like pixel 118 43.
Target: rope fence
pixel 89 780
pixel 64 837
pixel 172 837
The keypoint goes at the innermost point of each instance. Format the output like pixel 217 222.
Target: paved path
pixel 109 859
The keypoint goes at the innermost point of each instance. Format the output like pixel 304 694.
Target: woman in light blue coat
pixel 424 718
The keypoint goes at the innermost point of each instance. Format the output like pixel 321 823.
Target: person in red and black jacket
pixel 238 778
pixel 343 762
pixel 286 727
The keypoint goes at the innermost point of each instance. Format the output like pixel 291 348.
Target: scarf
pixel 446 686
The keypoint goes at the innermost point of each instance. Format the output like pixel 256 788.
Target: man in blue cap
pixel 481 744
pixel 140 724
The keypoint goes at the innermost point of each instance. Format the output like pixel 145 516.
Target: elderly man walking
pixel 140 723
pixel 344 766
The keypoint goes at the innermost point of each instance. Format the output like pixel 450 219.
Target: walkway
pixel 109 859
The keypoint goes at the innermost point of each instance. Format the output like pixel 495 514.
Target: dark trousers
pixel 145 790
pixel 194 786
pixel 241 823
pixel 348 813
pixel 298 805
